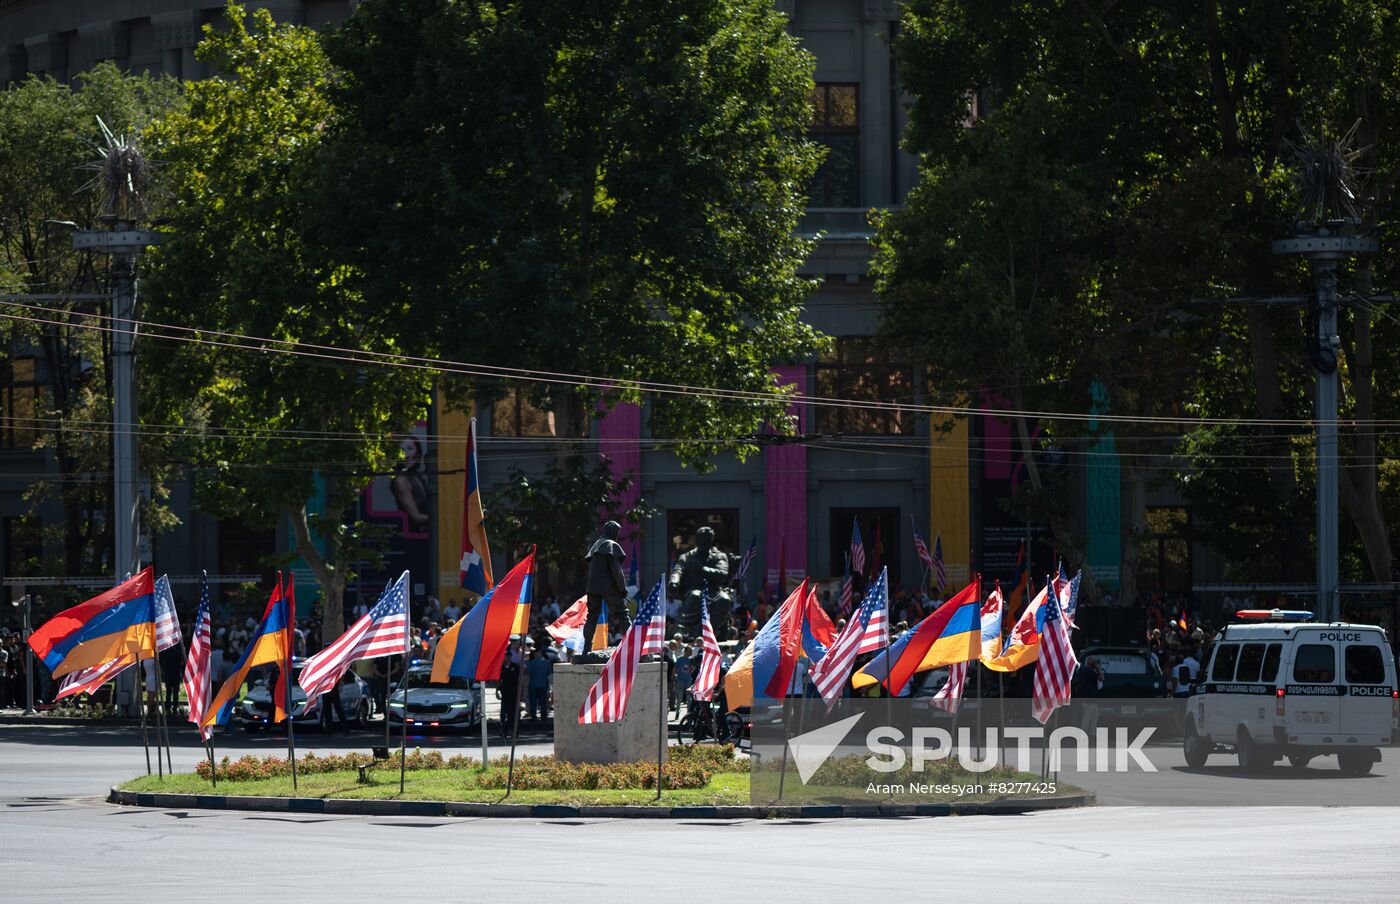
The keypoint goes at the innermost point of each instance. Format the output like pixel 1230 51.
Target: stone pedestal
pixel 632 740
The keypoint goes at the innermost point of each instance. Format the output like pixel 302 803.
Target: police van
pixel 1279 686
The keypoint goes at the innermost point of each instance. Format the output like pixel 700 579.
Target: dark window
pixel 24 546
pixel 860 372
pixel 1315 663
pixel 1223 669
pixel 1251 661
pixel 1165 564
pixel 681 525
pixel 19 404
pixel 1271 658
pixel 516 414
pixel 836 127
pixel 1364 665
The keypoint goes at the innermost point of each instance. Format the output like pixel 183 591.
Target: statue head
pixel 611 530
pixel 705 539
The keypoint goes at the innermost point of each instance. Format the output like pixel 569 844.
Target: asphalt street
pixel 60 842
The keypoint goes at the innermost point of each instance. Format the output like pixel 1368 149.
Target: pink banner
pixel 619 444
pixel 785 487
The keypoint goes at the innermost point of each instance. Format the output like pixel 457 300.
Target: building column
pixel 176 36
pixel 103 41
pixel 876 114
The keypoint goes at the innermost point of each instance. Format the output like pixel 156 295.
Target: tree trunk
pixel 1359 481
pixel 331 578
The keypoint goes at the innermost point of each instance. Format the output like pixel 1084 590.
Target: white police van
pixel 1280 686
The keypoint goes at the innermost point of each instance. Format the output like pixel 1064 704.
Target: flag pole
pixel 514 718
pixel 403 734
pixel 291 722
pixel 141 698
pixel 481 713
pixel 664 727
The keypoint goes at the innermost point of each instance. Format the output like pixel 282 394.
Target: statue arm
pixel 717 570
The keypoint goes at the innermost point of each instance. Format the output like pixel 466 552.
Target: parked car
pixel 454 705
pixel 254 711
pixel 1133 684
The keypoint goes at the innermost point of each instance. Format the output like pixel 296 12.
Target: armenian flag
pixel 1023 647
pixel 475 647
pixel 271 644
pixel 106 627
pixel 765 667
pixel 818 633
pixel 474 569
pixel 951 634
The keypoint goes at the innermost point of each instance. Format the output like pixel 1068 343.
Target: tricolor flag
pixel 1023 646
pixel 475 647
pixel 145 641
pixel 475 566
pixel 271 644
pixel 766 666
pixel 950 635
pixel 707 676
pixel 108 627
pixel 607 700
pixel 198 676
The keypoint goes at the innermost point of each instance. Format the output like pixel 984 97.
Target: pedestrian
pixel 538 669
pixel 1088 682
pixel 172 669
pixel 509 692
pixel 330 700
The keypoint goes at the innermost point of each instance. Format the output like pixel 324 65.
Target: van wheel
pixel 1194 747
pixel 1299 760
pixel 1355 762
pixel 1251 758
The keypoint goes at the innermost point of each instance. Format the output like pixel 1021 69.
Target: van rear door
pixel 1366 706
pixel 1312 708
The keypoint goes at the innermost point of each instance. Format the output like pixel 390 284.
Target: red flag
pixel 789 642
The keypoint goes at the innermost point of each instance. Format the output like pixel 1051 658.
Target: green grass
pixel 726 788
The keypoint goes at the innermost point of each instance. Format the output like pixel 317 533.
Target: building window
pixel 860 371
pixel 24 545
pixel 880 536
pixel 19 404
pixel 1165 563
pixel 836 127
pixel 514 414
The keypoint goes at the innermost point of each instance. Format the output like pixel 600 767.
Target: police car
pixel 1279 686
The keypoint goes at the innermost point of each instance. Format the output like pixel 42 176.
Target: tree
pixel 272 431
pixel 1164 123
pixel 50 137
pixel 590 187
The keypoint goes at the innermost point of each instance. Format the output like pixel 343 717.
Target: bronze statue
pixel 702 569
pixel 606 584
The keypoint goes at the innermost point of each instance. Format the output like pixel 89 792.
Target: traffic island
pixel 700 782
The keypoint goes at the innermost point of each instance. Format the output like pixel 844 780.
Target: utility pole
pixel 1325 250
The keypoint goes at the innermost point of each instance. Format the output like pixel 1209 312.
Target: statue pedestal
pixel 631 740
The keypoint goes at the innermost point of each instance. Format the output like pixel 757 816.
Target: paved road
pixel 59 842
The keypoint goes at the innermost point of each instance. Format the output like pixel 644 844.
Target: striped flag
pixel 143 646
pixel 1056 663
pixel 857 548
pixel 383 631
pixel 940 574
pixel 920 547
pixel 847 591
pixel 85 681
pixel 866 632
pixel 198 678
pixel 707 676
pixel 1071 598
pixel 607 698
pixel 949 696
pixel 749 555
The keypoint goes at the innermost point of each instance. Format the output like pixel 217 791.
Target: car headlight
pixel 394 705
pixel 459 705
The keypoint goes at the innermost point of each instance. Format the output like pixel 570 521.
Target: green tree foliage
pixel 1124 159
pixel 601 187
pixel 50 139
pixel 241 259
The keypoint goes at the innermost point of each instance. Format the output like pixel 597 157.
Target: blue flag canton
pixel 874 602
pixel 647 611
pixel 1052 608
pixel 393 602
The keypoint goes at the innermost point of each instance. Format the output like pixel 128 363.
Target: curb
pixel 39 719
pixel 432 808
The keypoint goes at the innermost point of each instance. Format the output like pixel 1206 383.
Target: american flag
pixel 949 696
pixel 707 676
pixel 749 555
pixel 1055 665
pixel 198 680
pixel 920 547
pixel 383 631
pixel 1070 595
pixel 866 632
pixel 857 548
pixel 607 698
pixel 940 574
pixel 167 635
pixel 847 591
